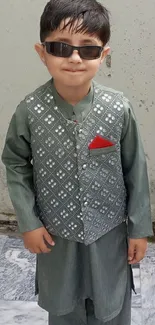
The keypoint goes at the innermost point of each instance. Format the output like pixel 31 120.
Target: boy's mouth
pixel 73 71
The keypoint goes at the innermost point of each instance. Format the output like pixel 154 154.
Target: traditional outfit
pixel 81 172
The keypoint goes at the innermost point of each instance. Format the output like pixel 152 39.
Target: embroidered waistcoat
pixel 80 192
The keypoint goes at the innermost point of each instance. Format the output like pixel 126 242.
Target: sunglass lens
pixel 90 52
pixel 60 49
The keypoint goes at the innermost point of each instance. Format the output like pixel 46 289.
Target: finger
pixel 31 251
pixel 134 261
pixel 139 255
pixel 131 252
pixel 49 239
pixel 35 250
pixel 44 248
pixel 26 247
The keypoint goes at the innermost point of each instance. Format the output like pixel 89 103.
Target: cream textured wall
pixel 132 67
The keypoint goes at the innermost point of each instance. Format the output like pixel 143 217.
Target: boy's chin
pixel 75 82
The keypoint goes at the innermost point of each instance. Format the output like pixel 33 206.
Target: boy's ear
pixel 41 52
pixel 105 52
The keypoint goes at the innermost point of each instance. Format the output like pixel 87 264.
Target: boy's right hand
pixel 35 241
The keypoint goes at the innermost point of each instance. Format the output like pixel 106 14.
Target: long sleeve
pixel 17 157
pixel 136 177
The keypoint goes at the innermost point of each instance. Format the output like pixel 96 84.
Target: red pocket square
pixel 100 142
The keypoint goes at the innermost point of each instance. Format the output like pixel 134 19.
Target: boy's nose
pixel 75 57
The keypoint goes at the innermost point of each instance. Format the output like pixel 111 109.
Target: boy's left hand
pixel 136 250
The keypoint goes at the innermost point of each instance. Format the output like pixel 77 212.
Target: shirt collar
pixel 77 112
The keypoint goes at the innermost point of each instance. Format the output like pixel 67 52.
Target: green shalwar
pixel 74 273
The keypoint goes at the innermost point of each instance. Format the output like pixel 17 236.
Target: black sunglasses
pixel 60 49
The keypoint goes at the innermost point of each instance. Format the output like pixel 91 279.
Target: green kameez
pixel 73 271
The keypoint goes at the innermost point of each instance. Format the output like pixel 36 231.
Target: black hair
pixel 90 15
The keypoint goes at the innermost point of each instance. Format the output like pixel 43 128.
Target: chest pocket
pixel 101 151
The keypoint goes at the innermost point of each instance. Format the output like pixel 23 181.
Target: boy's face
pixel 72 71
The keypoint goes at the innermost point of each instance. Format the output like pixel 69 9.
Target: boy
pixel 77 175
